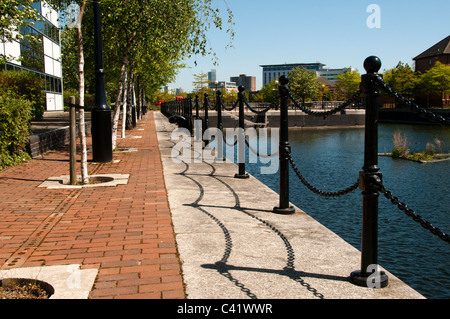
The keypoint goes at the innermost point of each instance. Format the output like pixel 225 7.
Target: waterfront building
pixel 248 82
pixel 226 86
pixel 42 57
pixel 425 61
pixel 274 71
pixel 331 74
pixel 438 52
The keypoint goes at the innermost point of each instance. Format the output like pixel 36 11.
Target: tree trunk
pixel 123 70
pixel 129 122
pixel 82 128
pixel 124 112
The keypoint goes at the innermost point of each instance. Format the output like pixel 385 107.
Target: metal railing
pixel 370 178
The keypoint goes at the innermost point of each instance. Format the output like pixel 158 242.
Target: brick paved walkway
pixel 124 231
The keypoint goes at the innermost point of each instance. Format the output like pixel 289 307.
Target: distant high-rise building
pixel 248 82
pixel 212 77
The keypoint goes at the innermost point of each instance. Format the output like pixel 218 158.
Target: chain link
pixel 232 108
pixel 259 154
pixel 257 111
pixel 411 213
pixel 322 113
pixel 318 191
pixel 414 107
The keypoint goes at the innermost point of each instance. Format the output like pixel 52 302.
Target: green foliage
pixel 421 156
pixel 26 85
pixel 304 84
pixel 15 116
pixel 268 93
pixel 436 79
pixel 200 83
pixel 151 37
pixel 69 59
pixel 396 153
pixel 402 79
pixel 89 100
pixel 21 99
pixel 348 83
pixel 15 14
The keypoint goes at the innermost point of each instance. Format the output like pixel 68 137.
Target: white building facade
pixel 42 57
pixel 274 71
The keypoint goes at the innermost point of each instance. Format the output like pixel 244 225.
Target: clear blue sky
pixel 333 32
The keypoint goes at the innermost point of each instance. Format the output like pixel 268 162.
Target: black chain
pixel 257 152
pixel 232 108
pixel 322 113
pixel 409 212
pixel 257 111
pixel 318 191
pixel 413 106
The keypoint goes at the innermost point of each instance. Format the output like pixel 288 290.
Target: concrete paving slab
pixel 231 245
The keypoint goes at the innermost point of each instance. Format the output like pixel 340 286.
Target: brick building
pixel 248 82
pixel 426 60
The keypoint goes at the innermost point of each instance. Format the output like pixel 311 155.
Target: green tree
pixel 14 15
pixel 200 83
pixel 268 92
pixel 304 84
pixel 402 79
pixel 153 36
pixel 435 81
pixel 348 83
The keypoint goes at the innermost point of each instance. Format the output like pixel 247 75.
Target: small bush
pixel 26 85
pixel 430 149
pixel 15 116
pixel 396 153
pixel 89 100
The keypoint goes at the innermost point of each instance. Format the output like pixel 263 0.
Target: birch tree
pixel 154 34
pixel 81 90
pixel 74 11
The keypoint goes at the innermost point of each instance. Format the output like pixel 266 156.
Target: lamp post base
pixel 101 136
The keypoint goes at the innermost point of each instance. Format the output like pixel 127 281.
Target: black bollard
pixel 189 116
pixel 206 121
pixel 241 136
pixel 284 150
pixel 219 155
pixel 219 110
pixel 197 116
pixel 369 276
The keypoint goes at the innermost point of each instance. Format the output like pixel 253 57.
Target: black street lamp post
pixel 101 113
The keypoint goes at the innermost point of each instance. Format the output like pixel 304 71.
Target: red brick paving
pixel 125 231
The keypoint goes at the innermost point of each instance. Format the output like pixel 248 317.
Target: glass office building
pixel 41 56
pixel 274 71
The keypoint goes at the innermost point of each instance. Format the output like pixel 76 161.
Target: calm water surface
pixel 332 159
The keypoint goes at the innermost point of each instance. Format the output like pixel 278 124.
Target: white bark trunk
pixel 124 111
pixel 82 126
